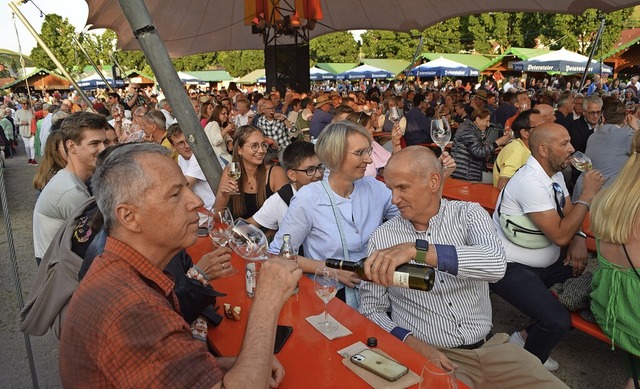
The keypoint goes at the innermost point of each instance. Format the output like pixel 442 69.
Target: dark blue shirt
pixel 318 122
pixel 418 127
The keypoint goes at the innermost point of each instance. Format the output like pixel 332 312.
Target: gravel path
pixel 585 362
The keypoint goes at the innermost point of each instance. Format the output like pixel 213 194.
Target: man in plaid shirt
pixel 275 126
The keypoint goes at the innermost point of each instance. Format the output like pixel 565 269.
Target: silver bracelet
pixel 585 204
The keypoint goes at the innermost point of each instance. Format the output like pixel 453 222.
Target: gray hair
pixel 593 99
pixel 331 146
pixel 163 103
pixel 120 178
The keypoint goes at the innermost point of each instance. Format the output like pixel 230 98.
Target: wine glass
pixel 251 244
pixel 394 115
pixel 325 281
pixel 440 132
pixel 434 375
pixel 234 172
pixel 219 225
pixel 580 161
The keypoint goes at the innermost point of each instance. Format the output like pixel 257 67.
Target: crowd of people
pixel 311 168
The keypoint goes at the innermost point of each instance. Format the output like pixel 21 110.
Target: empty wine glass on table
pixel 440 132
pixel 234 173
pixel 251 244
pixel 219 225
pixel 580 161
pixel 325 282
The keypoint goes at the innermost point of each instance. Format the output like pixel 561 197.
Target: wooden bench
pixel 588 328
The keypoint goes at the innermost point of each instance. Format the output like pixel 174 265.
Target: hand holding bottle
pixel 381 264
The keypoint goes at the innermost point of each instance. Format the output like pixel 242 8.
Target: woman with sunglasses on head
pixel 334 218
pixel 257 180
pixel 219 131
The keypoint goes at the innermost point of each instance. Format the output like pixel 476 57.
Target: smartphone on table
pixel 379 365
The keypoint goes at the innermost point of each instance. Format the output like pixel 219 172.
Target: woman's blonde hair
pixel 238 206
pixel 331 147
pixel 615 212
pixel 52 162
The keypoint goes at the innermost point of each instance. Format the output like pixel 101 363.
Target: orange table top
pixel 307 356
pixel 484 194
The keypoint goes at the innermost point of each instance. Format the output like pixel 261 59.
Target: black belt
pixel 477 344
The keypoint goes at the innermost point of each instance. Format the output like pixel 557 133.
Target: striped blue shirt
pixel 457 311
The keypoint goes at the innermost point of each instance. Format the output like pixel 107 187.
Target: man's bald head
pixel 418 159
pixel 545 134
pixel 547 112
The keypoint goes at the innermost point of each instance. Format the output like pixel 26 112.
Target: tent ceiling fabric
pixel 198 26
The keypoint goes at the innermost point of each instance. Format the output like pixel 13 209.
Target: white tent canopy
pixel 190 27
pixel 563 61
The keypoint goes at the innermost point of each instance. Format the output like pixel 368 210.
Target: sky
pixel 75 10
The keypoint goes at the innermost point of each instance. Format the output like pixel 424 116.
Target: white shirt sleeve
pixel 272 212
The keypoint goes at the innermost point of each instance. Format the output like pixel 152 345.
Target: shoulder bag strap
pixel 336 214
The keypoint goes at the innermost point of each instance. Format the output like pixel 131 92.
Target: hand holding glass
pixel 394 115
pixel 235 172
pixel 440 132
pixel 325 282
pixel 580 161
pixel 251 244
pixel 219 225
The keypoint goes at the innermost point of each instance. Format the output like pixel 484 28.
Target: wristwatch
pixel 422 246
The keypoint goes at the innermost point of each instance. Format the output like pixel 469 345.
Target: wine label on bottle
pixel 250 279
pixel 401 279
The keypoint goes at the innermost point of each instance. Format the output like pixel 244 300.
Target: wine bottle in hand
pixel 407 275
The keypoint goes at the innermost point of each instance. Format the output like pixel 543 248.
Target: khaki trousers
pixel 498 364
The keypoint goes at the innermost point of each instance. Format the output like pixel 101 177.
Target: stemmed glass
pixel 325 282
pixel 251 244
pixel 440 132
pixel 394 115
pixel 434 375
pixel 580 161
pixel 234 172
pixel 219 225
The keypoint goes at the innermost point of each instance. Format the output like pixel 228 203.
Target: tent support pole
pixel 145 32
pixel 46 49
pixel 593 51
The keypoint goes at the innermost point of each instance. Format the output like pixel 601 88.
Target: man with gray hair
pixel 166 110
pixel 582 128
pixel 125 313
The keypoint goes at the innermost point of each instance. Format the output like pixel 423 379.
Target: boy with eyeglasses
pixel 303 167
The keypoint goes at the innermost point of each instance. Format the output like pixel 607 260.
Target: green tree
pixel 578 32
pixel 130 60
pixel 444 37
pixel 389 44
pixel 196 62
pixel 101 46
pixel 335 47
pixel 57 34
pixel 240 62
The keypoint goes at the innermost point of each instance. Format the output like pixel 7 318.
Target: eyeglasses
pixel 593 112
pixel 311 171
pixel 224 113
pixel 361 153
pixel 559 198
pixel 257 146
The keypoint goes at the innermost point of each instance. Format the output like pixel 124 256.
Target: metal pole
pixel 116 63
pixel 140 21
pixel 46 49
pixel 593 50
pixel 75 40
pixel 16 274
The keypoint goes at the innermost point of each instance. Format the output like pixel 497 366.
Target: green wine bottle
pixel 407 275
